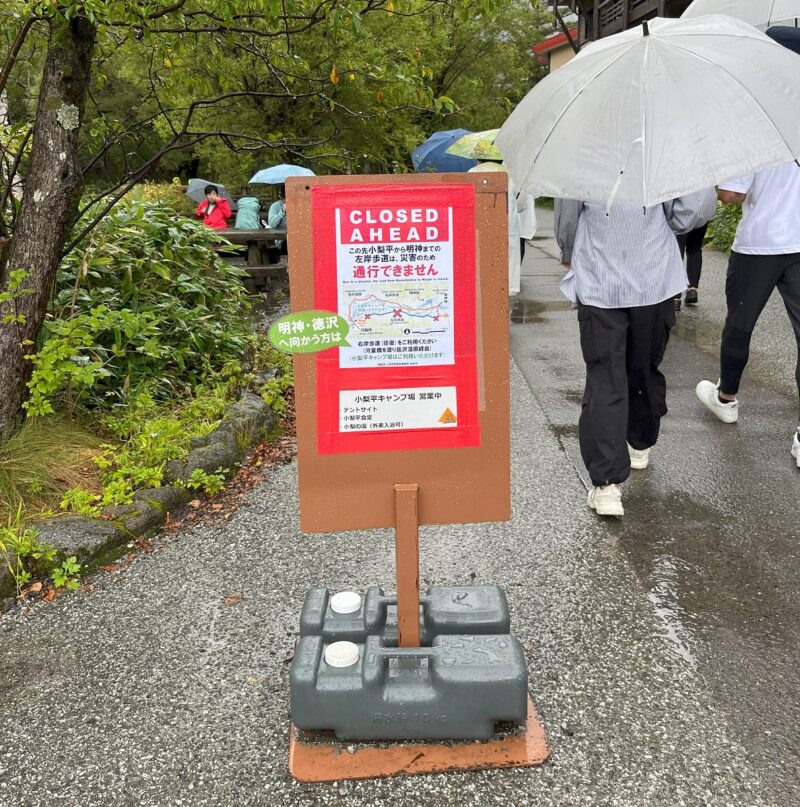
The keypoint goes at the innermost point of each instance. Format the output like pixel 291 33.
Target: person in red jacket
pixel 215 210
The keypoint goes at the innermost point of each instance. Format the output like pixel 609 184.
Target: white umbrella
pixel 648 115
pixel 761 13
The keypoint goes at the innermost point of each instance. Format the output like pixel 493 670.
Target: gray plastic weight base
pixel 457 689
pixel 444 610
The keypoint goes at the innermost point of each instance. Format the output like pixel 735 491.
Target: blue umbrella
pixel 277 174
pixel 432 157
pixel 786 35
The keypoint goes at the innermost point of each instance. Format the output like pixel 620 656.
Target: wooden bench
pixel 268 276
pixel 265 267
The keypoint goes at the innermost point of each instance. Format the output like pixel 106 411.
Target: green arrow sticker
pixel 309 332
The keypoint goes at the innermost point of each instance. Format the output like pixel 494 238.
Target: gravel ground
pixel 152 691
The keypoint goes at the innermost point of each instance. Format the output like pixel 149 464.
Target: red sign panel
pixel 398 263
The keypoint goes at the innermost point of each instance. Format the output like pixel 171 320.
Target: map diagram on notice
pixel 395 286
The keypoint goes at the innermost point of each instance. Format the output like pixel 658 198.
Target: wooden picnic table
pixel 264 264
pixel 255 240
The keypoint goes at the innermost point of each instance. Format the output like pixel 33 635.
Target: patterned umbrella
pixel 477 146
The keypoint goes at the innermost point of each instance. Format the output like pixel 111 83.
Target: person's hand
pixel 566 265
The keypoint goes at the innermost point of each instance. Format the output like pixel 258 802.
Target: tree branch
pixel 177 6
pixel 126 184
pixel 16 45
pixel 12 170
pixel 117 139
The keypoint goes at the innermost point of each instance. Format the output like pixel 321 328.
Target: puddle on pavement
pixel 561 430
pixel 673 620
pixel 706 335
pixel 702 333
pixel 699 577
pixel 529 311
pixel 700 574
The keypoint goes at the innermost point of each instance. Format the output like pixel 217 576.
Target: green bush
pixel 722 228
pixel 164 193
pixel 149 337
pixel 20 550
pixel 148 434
pixel 146 300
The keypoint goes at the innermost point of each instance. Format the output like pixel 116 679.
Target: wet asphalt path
pixel 711 528
pixel 662 649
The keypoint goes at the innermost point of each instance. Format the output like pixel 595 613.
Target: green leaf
pixel 160 270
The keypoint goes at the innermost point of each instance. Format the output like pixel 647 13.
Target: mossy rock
pixel 164 499
pixel 137 519
pixel 90 541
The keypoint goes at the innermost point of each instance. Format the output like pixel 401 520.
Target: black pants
pixel 691 245
pixel 626 394
pixel 750 283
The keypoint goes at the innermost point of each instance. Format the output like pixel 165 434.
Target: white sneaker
pixel 796 447
pixel 639 457
pixel 726 412
pixel 606 501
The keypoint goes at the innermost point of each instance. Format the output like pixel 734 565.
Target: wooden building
pixel 599 18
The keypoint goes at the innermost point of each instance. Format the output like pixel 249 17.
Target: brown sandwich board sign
pixel 417 265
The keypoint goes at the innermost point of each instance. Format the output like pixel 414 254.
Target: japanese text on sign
pixel 397 263
pixel 308 332
pixel 395 285
pixel 397 409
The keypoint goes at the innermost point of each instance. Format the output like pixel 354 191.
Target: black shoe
pixel 677 301
pixel 691 297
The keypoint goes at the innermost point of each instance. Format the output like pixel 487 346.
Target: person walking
pixel 625 270
pixel 765 256
pixel 691 247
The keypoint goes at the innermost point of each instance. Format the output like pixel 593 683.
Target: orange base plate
pixel 331 761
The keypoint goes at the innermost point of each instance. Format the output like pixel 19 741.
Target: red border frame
pixel 462 374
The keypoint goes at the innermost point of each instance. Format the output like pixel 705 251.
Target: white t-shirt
pixel 770 222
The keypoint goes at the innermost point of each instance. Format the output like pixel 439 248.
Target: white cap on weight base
pixel 345 602
pixel 341 654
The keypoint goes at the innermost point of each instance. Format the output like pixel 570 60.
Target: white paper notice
pixel 372 410
pixel 395 285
